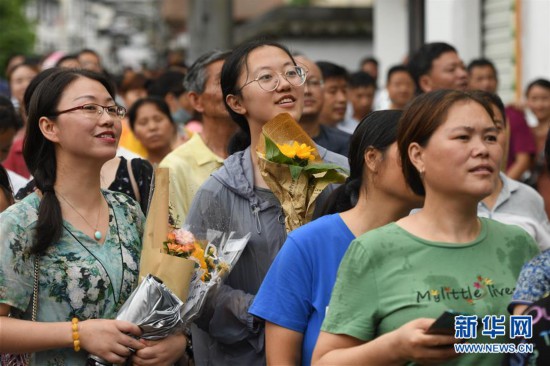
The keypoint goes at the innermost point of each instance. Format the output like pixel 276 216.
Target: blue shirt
pixel 296 290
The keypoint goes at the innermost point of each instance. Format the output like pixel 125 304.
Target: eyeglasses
pixel 269 80
pixel 93 110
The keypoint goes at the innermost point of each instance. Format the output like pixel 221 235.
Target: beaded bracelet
pixel 76 336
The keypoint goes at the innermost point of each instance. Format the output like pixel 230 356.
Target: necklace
pixel 111 283
pixel 97 233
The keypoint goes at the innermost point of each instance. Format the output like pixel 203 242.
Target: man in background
pixel 437 66
pixel 482 75
pixel 328 137
pixel 192 163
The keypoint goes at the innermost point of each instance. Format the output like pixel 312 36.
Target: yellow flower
pixel 287 150
pixel 488 281
pixel 302 151
pixel 434 292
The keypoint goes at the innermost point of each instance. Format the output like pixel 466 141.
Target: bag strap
pixel 35 289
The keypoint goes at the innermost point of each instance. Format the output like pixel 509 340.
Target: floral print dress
pixel 78 277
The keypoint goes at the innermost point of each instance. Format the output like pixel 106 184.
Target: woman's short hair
pixel 156 101
pixel 421 119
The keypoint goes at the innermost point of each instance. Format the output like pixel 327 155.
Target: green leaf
pixel 295 171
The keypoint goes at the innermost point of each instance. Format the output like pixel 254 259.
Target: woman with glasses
pixel 132 177
pixel 71 246
pixel 259 80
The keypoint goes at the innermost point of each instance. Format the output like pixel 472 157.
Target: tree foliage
pixel 17 34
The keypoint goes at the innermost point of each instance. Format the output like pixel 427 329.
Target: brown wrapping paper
pixel 174 272
pixel 297 196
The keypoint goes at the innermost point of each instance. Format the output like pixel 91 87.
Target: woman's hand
pixel 415 345
pixel 110 339
pixel 407 343
pixel 159 353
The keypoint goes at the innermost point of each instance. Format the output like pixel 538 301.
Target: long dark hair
pixel 39 152
pixel 377 130
pixel 232 68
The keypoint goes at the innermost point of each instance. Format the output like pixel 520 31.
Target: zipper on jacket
pixel 256 211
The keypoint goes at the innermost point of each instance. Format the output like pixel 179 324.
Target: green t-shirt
pixel 389 277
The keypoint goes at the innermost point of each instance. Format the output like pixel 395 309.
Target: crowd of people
pixel 447 188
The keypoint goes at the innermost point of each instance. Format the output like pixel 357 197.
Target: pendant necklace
pixel 97 233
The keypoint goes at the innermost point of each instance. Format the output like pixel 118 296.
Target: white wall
pixel 391 40
pixel 535 40
pixel 343 52
pixel 457 22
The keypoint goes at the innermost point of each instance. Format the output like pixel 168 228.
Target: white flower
pixel 184 236
pixel 76 297
pixel 58 277
pixel 93 294
pixel 128 260
pixel 74 272
pixel 93 281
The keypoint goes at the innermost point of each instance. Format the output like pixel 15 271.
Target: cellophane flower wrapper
pixel 296 183
pixel 154 308
pixel 222 251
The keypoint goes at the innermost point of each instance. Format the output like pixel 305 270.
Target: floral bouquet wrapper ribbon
pixel 292 168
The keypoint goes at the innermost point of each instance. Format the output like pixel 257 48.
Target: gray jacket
pixel 227 201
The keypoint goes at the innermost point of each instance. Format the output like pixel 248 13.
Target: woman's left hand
pixel 159 353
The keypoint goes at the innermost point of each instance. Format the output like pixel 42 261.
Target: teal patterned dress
pixel 78 276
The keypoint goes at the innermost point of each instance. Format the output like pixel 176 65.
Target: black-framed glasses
pixel 96 110
pixel 269 80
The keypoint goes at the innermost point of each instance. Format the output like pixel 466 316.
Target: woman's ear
pixel 372 159
pixel 49 129
pixel 416 155
pixel 234 102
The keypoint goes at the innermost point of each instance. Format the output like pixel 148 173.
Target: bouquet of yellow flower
pixel 293 169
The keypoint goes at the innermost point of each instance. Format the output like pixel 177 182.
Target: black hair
pixel 39 152
pixel 331 70
pixel 234 65
pixel 361 79
pixel 543 83
pixel 377 130
pixel 156 101
pixel 368 60
pixel 65 58
pixel 5 185
pixel 34 83
pixel 494 99
pixel 169 82
pixel 482 62
pixel 421 61
pixel 87 50
pixel 9 118
pixel 547 150
pixel 396 68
